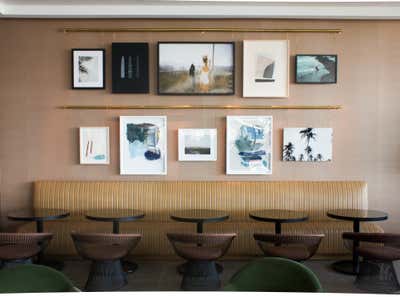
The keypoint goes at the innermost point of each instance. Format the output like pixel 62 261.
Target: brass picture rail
pixel 196 29
pixel 256 107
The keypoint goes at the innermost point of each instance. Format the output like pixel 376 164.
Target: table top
pixel 278 215
pixel 199 216
pixel 47 214
pixel 357 215
pixel 110 215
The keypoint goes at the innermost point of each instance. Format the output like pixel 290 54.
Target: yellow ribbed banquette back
pixel 158 199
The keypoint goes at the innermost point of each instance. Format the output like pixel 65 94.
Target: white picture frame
pixel 266 68
pixel 248 154
pixel 94 145
pixel 197 144
pixel 143 145
pixel 88 68
pixel 307 144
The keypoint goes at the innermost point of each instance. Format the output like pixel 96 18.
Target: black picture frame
pixel 74 84
pixel 334 81
pixel 130 74
pixel 159 92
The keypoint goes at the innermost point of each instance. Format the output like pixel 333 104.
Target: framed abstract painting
pixel 94 145
pixel 316 69
pixel 88 68
pixel 130 67
pixel 197 144
pixel 249 145
pixel 143 145
pixel 266 68
pixel 307 144
pixel 196 68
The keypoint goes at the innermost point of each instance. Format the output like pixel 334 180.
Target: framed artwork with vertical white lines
pixel 94 145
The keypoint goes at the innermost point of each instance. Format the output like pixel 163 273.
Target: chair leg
pixel 200 276
pixel 377 277
pixel 106 276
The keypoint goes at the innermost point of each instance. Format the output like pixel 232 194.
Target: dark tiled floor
pixel 162 275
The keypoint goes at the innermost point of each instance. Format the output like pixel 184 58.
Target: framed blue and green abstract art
pixel 249 145
pixel 143 145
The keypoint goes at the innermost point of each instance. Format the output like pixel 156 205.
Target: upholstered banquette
pixel 159 199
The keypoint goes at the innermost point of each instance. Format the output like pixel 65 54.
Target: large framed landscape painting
pixel 307 144
pixel 197 144
pixel 249 145
pixel 88 68
pixel 143 145
pixel 130 67
pixel 316 69
pixel 196 68
pixel 266 68
pixel 94 145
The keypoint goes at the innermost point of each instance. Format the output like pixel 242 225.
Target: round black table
pixel 356 216
pixel 40 216
pixel 278 216
pixel 199 217
pixel 116 216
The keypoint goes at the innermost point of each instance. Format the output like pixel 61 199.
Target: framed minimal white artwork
pixel 143 145
pixel 88 69
pixel 94 145
pixel 249 145
pixel 266 68
pixel 197 144
pixel 307 144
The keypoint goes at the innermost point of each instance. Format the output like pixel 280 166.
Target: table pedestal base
pixel 345 266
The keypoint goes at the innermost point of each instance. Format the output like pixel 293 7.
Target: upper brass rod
pixel 243 30
pixel 259 107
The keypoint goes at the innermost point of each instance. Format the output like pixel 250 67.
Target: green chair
pixel 30 278
pixel 274 275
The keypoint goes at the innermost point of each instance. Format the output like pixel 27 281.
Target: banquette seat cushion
pixel 238 198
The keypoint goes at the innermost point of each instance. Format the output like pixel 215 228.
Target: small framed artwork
pixel 196 68
pixel 197 144
pixel 249 145
pixel 316 69
pixel 266 68
pixel 143 145
pixel 130 67
pixel 88 68
pixel 307 144
pixel 94 145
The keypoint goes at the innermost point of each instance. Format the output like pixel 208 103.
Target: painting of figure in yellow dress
pixel 196 68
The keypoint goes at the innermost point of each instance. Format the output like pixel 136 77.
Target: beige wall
pixel 38 142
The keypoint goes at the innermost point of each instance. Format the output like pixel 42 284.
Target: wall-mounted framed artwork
pixel 130 68
pixel 316 69
pixel 94 145
pixel 197 144
pixel 88 68
pixel 196 68
pixel 143 145
pixel 266 68
pixel 307 144
pixel 249 145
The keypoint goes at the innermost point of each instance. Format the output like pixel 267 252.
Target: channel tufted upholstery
pixel 158 199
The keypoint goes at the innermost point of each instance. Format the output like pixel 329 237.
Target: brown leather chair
pixel 201 251
pixel 378 250
pixel 105 251
pixel 290 246
pixel 20 248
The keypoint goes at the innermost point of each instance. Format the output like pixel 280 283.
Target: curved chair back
pixel 25 238
pixel 31 278
pixel 274 275
pixel 189 245
pixel 87 242
pixel 301 247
